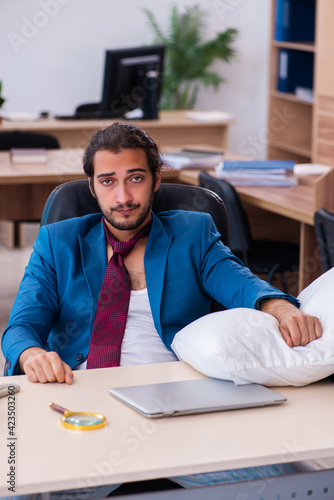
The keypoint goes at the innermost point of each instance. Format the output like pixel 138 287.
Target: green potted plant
pixel 189 57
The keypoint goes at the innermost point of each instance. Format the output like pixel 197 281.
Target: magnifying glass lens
pixel 85 420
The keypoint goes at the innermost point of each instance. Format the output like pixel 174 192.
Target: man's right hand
pixel 42 366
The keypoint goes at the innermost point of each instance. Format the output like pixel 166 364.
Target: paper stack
pixel 21 156
pixel 209 116
pixel 189 158
pixel 258 173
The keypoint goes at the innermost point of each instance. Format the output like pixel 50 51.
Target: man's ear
pixel 157 180
pixel 91 186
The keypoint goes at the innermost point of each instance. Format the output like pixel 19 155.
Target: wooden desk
pixel 132 447
pixel 172 128
pixel 25 189
pixel 296 203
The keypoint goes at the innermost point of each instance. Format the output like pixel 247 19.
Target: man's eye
pixel 137 179
pixel 106 182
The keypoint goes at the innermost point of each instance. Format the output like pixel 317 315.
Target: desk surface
pixel 295 202
pixel 173 128
pixel 25 189
pixel 166 119
pixel 132 447
pixel 62 165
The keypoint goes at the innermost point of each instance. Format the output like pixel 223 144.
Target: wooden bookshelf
pixel 300 130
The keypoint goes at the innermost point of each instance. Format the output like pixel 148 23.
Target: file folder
pixel 295 70
pixel 295 21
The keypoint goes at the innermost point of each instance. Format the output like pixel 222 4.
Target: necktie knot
pixel 123 248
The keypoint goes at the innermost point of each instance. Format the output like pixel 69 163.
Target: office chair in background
pixel 263 257
pixel 26 140
pixel 324 232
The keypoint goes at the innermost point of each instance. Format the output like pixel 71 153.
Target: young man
pixel 174 271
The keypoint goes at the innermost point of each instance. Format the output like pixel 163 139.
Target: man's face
pixel 123 187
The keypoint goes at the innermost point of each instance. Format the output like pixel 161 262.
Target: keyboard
pixel 90 115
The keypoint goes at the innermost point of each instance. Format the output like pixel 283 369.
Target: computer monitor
pixel 132 79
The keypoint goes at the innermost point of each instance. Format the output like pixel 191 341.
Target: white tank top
pixel 141 342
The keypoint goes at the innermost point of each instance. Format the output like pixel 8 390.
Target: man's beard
pixel 131 225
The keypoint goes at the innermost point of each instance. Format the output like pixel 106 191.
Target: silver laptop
pixel 194 396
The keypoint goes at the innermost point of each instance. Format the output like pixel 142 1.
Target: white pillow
pixel 245 345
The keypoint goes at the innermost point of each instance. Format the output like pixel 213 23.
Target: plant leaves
pixel 188 56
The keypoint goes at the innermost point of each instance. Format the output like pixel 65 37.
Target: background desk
pixel 295 204
pixel 280 213
pixel 132 447
pixel 172 128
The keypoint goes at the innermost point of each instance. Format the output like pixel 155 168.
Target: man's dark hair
pixel 118 137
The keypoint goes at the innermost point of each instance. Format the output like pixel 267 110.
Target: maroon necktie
pixel 113 305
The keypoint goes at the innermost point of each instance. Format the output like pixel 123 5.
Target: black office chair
pixel 324 232
pixel 263 257
pixel 74 199
pixel 27 140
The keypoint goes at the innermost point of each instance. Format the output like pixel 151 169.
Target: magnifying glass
pixel 79 421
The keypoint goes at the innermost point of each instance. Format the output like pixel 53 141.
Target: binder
pixel 258 166
pixel 295 21
pixel 258 173
pixel 295 69
pixel 282 20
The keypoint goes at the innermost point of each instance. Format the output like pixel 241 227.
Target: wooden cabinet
pixel 301 130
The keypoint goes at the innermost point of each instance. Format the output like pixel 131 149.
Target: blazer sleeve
pixel 36 305
pixel 226 279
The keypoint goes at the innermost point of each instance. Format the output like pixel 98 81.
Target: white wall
pixel 52 54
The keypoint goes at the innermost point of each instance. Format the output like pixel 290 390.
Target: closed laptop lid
pixel 194 396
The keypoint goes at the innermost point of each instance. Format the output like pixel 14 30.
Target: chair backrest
pixel 324 231
pixel 74 199
pixel 240 234
pixel 20 139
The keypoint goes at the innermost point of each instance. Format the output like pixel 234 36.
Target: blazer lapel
pixel 94 261
pixel 155 260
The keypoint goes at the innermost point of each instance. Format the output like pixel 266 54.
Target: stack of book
pixel 21 156
pixel 192 158
pixel 258 173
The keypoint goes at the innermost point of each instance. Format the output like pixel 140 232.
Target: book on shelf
pixel 304 94
pixel 22 156
pixel 295 21
pixel 192 158
pixel 258 173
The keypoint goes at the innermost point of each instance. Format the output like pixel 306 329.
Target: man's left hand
pixel 296 327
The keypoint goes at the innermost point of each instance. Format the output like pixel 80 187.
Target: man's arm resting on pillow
pixel 43 366
pixel 296 327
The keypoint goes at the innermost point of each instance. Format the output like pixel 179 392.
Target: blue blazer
pixel 186 266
